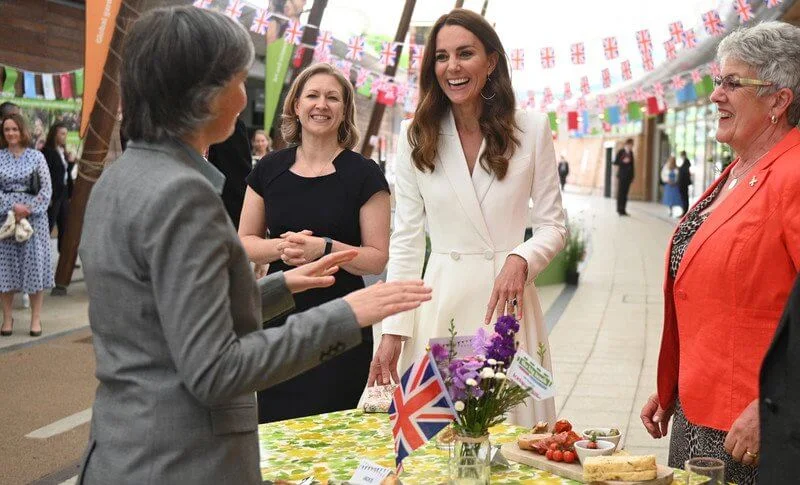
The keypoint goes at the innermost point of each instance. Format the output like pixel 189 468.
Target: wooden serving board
pixel 573 471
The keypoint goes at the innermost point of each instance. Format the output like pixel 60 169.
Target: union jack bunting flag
pixel 712 23
pixel 610 48
pixel 355 48
pixel 678 82
pixel 606 78
pixel 531 100
pixel 585 88
pixel 676 32
pixel 548 57
pixel 344 67
pixel 622 99
pixel 696 76
pixel 743 9
pixel 578 53
pixel 715 69
pixel 420 408
pixel 363 76
pixel 324 42
pixel 582 103
pixel 415 58
pixel 294 32
pixel 567 91
pixel 601 102
pixel 547 96
pixel 378 84
pixel 644 41
pixel 658 90
pixel 626 70
pixel 322 56
pixel 234 9
pixel 647 63
pixel 260 21
pixel 689 39
pixel 202 3
pixel 773 3
pixel 669 48
pixel 388 54
pixel 561 109
pixel 639 94
pixel 517 59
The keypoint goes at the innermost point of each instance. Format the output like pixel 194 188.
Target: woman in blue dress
pixel 25 190
pixel 672 193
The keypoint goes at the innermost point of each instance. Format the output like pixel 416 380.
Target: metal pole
pixel 378 110
pixel 459 4
pixel 485 6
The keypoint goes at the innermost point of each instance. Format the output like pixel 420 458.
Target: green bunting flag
pixel 553 120
pixel 705 87
pixel 11 79
pixel 634 111
pixel 79 82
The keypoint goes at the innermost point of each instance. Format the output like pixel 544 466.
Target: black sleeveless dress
pixel 328 205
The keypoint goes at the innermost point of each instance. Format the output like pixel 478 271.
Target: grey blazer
pixel 176 317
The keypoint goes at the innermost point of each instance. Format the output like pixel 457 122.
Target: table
pixel 329 446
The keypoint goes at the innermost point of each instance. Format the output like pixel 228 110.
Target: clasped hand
pixel 21 211
pixel 299 248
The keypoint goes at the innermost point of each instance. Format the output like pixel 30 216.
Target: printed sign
pixel 369 473
pixel 527 373
pixel 463 345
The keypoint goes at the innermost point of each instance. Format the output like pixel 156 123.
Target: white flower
pixel 480 357
pixel 459 406
pixel 471 382
pixel 499 376
pixel 491 362
pixel 487 373
pixel 499 362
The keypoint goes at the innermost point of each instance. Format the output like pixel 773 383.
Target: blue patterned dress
pixel 25 266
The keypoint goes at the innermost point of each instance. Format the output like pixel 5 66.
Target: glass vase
pixel 470 456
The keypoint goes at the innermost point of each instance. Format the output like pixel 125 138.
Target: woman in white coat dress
pixel 467 166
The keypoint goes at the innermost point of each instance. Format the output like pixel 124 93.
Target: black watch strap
pixel 328 246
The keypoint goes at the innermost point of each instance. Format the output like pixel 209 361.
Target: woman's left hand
pixel 743 439
pixel 299 248
pixel 509 286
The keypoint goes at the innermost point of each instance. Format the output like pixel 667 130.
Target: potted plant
pixel 574 252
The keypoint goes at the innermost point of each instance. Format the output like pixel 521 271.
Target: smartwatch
pixel 328 246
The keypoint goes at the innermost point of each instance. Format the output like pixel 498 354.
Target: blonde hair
pixel 291 130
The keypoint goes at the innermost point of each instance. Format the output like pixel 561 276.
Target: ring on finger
pixel 512 302
pixel 754 456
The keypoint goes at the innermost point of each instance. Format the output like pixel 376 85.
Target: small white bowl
pixel 614 439
pixel 604 448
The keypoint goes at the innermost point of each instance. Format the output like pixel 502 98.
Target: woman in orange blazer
pixel 733 259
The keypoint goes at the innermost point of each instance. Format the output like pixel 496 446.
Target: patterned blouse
pixel 688 228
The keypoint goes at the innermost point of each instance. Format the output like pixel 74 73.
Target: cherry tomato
pixel 592 445
pixel 549 454
pixel 569 456
pixel 558 455
pixel 554 446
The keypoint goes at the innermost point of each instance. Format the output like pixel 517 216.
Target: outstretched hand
pixel 318 274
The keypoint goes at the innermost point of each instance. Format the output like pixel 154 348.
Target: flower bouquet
pixel 481 394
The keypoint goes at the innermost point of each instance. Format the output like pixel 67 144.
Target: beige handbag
pixel 7 229
pixel 23 231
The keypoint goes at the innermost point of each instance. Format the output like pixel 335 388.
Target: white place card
pixel 369 473
pixel 527 373
pixel 463 344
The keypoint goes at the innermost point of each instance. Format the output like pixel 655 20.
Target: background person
pixel 684 181
pixel 262 145
pixel 669 176
pixel 721 308
pixel 624 163
pixel 232 159
pixel 314 198
pixel 563 171
pixel 60 163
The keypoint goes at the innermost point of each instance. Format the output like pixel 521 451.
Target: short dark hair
pixel 683 153
pixel 24 131
pixel 175 60
pixel 7 108
pixel 629 141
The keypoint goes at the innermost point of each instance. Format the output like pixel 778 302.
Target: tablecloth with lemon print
pixel 330 446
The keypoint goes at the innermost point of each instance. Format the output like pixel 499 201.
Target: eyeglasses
pixel 731 82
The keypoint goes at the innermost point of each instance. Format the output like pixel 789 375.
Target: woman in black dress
pixel 311 199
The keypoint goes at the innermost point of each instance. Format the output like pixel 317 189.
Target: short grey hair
pixel 174 61
pixel 772 49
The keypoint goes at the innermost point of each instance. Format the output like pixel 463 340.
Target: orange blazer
pixel 723 306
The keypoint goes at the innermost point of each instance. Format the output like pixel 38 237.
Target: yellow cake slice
pixel 622 468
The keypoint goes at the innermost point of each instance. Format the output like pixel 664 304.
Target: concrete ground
pixel 604 342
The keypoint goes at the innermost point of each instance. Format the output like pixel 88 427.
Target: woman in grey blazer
pixel 174 309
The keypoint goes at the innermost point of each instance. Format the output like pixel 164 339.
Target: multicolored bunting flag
pixel 678 82
pixel 572 120
pixel 658 90
pixel 202 3
pixel 715 69
pixel 696 76
pixel 743 9
pixel 294 32
pixel 548 57
pixel 713 23
pixel 417 51
pixel 517 59
pixel 324 42
pixel 388 54
pixel 676 32
pixel 644 41
pixel 704 87
pixel 567 90
pixel 639 94
pixel 647 63
pixel 261 21
pixel 421 407
pixel 626 70
pixel 355 48
pixel 585 88
pixel 29 84
pixel 622 99
pixel 48 86
pixel 671 51
pixel 689 39
pixel 578 53
pixel 234 9
pixel 547 96
pixel 66 86
pixel 11 79
pixel 606 78
pixel 773 3
pixel 601 102
pixel 361 78
pixel 610 48
pixel 582 103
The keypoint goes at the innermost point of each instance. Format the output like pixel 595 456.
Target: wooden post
pixel 485 6
pixel 459 4
pixel 95 148
pixel 377 112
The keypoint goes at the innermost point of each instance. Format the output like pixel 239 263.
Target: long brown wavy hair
pixel 497 122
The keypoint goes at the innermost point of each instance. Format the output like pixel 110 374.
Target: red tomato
pixel 561 426
pixel 592 445
pixel 569 456
pixel 549 454
pixel 558 455
pixel 554 446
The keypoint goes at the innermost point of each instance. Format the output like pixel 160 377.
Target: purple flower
pixel 460 371
pixel 506 324
pixel 481 341
pixel 440 353
pixel 503 346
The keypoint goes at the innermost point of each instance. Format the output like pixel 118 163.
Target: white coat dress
pixel 474 223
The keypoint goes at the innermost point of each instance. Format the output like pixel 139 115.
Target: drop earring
pixel 488 80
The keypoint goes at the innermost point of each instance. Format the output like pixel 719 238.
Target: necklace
pixel 735 178
pixel 311 167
